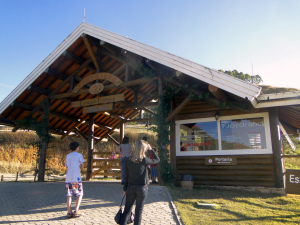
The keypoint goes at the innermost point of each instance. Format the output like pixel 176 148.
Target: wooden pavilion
pixel 96 81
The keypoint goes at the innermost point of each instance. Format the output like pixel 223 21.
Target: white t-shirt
pixel 73 161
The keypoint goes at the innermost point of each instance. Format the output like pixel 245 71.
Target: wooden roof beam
pixel 62 76
pixel 217 92
pixel 78 60
pixel 107 47
pixel 6 122
pixel 114 140
pixel 131 56
pixel 90 50
pixel 177 110
pixel 53 114
pixel 113 128
pixel 101 126
pixel 75 125
pixel 289 128
pixel 108 87
pixel 148 110
pixel 136 106
pixel 56 74
pixel 138 120
pixel 81 134
pixel 86 62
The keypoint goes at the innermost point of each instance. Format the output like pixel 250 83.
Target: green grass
pixel 292 163
pixel 235 207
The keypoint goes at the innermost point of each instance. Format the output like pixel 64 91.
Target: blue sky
pixel 220 34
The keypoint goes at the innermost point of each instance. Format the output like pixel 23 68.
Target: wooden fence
pixel 104 164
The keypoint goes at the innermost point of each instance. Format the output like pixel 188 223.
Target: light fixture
pixel 217 115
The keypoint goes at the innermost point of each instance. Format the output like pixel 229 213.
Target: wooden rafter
pixel 178 109
pixel 114 140
pixel 90 50
pixel 75 125
pixel 81 134
pixel 217 92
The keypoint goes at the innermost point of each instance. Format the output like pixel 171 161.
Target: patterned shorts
pixel 75 189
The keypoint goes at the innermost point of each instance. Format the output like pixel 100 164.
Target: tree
pixel 256 79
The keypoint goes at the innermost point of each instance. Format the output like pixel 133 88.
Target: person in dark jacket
pixel 136 180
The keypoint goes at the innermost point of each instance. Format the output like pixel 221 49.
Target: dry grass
pixel 19 154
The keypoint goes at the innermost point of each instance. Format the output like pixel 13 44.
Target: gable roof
pixel 72 61
pixel 211 76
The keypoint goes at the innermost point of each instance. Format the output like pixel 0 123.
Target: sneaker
pixel 77 214
pixel 69 215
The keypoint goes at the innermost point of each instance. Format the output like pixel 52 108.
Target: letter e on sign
pixel 292 178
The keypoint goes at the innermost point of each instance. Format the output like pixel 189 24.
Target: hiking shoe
pixel 69 215
pixel 77 214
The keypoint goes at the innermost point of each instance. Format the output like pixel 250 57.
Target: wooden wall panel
pixel 251 170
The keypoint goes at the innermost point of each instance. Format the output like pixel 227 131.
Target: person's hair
pixel 125 140
pixel 139 151
pixel 145 138
pixel 74 145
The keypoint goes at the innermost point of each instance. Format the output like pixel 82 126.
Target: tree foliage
pixel 256 79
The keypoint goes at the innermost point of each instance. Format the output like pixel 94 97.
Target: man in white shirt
pixel 74 163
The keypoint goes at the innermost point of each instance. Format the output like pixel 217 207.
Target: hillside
pixel 270 89
pixel 18 151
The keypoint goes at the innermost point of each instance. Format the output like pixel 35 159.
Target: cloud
pixel 6 85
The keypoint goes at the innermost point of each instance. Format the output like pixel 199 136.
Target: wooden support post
pixel 90 147
pixel 159 92
pixel 173 139
pixel 276 145
pixel 160 89
pixel 2 177
pixel 43 148
pixel 122 127
pixel 17 176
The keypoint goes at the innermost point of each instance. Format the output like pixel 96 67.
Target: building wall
pixel 251 170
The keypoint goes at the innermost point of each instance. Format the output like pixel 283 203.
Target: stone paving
pixel 45 203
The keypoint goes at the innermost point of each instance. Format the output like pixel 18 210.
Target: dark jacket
pixel 136 173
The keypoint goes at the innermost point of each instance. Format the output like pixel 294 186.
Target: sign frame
pixel 100 100
pixel 98 76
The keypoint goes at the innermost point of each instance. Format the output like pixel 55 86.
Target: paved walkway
pixel 45 203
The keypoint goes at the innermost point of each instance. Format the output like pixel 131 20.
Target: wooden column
pixel 276 146
pixel 43 147
pixel 122 128
pixel 90 147
pixel 173 138
pixel 159 92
